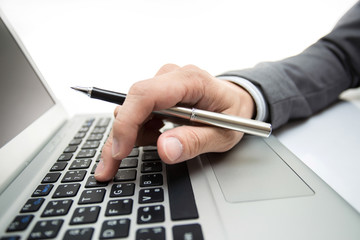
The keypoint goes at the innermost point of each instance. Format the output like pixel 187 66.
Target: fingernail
pixel 173 148
pixel 99 169
pixel 115 147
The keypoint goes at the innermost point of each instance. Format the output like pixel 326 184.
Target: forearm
pixel 299 86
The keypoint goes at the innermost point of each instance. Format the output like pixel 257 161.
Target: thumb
pixel 186 142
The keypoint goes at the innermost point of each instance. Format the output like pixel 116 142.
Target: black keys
pixel 92 196
pixel 150 214
pixel 74 176
pixel 122 190
pixel 125 175
pixel 181 196
pixel 191 231
pixel 150 180
pixel 32 205
pixel 86 153
pixel 91 145
pixel 57 208
pixel 157 233
pixel 128 163
pixel 58 166
pixel 150 156
pixel 80 164
pixel 70 149
pixel 103 122
pixel 75 141
pixel 66 190
pixel 83 215
pixel 65 157
pixel 95 137
pixel 91 183
pixel 20 223
pixel 117 228
pixel 119 207
pixel 46 229
pixel 151 195
pixel 149 167
pixel 51 178
pixel 79 234
pixel 80 135
pixel 134 152
pixel 42 190
pixel 99 129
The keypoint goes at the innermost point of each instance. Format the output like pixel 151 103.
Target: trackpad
pixel 252 171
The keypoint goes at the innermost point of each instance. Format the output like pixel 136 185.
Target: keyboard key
pixel 151 195
pixel 65 157
pixel 103 122
pixel 92 196
pixel 181 196
pixel 86 153
pixel 46 229
pixel 91 183
pixel 66 190
pixel 79 234
pixel 58 166
pixel 89 122
pixel 70 149
pixel 125 175
pixel 91 145
pixel 20 223
pixel 51 178
pixel 128 163
pixel 95 137
pixel 74 176
pixel 149 148
pixel 149 167
pixel 80 135
pixel 150 180
pixel 117 228
pixel 57 208
pixel 84 129
pixel 119 207
pixel 80 164
pixel 191 231
pixel 150 214
pixel 75 141
pixel 134 152
pixel 83 215
pixel 157 233
pixel 99 130
pixel 150 156
pixel 32 205
pixel 42 190
pixel 122 190
pixel 93 168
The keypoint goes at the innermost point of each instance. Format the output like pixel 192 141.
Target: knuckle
pixel 167 68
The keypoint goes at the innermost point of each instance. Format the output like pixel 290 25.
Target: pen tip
pixel 80 89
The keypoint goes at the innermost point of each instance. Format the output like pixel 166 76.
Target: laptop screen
pixel 23 97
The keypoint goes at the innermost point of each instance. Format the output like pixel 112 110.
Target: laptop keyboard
pixel 144 196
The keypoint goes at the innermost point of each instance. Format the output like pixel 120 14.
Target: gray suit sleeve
pixel 299 86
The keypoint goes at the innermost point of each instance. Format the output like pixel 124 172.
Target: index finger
pixel 185 85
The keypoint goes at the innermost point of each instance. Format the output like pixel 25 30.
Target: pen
pixel 249 126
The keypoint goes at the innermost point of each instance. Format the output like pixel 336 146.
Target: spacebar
pixel 181 196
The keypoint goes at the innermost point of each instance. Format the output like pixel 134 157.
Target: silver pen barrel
pixel 244 125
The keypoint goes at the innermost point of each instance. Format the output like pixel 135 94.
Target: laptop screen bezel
pixel 15 155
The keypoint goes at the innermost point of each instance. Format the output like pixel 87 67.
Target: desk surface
pixel 112 44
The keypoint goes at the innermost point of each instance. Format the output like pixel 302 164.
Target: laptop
pixel 257 190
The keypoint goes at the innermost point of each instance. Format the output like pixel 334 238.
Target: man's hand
pixel 183 86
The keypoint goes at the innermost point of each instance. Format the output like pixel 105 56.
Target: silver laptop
pixel 258 190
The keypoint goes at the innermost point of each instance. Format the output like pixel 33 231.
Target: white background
pixel 113 43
